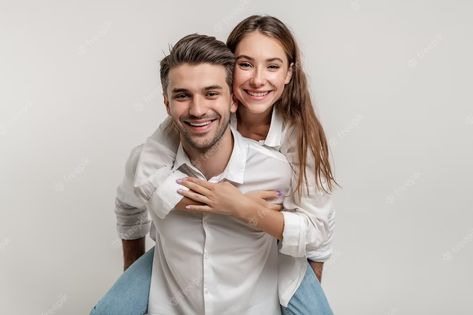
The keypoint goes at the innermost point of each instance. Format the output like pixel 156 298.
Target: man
pixel 210 263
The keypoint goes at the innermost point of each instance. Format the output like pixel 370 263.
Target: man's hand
pixel 132 250
pixel 317 267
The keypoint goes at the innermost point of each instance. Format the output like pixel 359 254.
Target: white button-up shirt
pixel 149 184
pixel 215 264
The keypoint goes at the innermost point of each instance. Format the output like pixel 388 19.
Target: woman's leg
pixel 309 298
pixel 129 295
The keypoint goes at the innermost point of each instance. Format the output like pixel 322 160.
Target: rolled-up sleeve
pixel 309 222
pixel 130 211
pixel 158 187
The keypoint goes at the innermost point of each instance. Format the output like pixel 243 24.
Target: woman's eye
pixel 273 67
pixel 244 65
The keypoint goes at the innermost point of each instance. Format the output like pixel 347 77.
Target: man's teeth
pixel 199 124
pixel 258 93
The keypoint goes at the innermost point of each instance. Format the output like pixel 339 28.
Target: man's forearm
pixel 318 268
pixel 132 250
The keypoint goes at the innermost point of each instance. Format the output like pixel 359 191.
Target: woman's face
pixel 261 72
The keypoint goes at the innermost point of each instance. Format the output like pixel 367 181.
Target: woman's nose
pixel 257 79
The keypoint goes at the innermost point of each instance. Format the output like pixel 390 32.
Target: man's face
pixel 200 102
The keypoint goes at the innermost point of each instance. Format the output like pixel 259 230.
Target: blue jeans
pixel 129 295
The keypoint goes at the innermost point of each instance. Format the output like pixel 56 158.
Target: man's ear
pixel 234 105
pixel 166 103
pixel 289 73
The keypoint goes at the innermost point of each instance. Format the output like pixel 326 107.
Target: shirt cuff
pixel 133 232
pixel 165 197
pixel 293 241
pixel 320 255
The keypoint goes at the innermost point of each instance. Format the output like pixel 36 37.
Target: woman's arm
pixel 310 224
pixel 155 181
pixel 225 199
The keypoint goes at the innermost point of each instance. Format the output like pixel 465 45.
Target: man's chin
pixel 200 144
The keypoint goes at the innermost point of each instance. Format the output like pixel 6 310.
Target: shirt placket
pixel 208 272
pixel 207 269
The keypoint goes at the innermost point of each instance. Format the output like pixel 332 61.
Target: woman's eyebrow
pixel 252 59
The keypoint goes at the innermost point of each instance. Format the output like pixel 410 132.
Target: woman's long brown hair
pixel 295 104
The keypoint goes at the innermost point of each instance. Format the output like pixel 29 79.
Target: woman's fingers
pixel 265 194
pixel 194 196
pixel 275 206
pixel 195 186
pixel 198 181
pixel 198 208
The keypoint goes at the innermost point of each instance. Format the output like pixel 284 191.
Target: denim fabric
pixel 129 295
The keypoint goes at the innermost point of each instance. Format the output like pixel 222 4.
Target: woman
pixel 274 109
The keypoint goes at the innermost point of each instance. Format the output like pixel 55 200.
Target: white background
pixel 392 82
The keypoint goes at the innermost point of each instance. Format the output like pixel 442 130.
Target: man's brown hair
pixel 195 49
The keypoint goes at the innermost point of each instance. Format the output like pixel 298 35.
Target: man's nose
pixel 257 79
pixel 197 107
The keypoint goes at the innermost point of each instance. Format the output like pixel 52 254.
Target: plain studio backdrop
pixel 392 84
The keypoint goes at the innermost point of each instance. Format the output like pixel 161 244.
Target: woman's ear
pixel 234 105
pixel 289 73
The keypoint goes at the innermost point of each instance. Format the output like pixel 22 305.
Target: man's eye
pixel 212 94
pixel 180 96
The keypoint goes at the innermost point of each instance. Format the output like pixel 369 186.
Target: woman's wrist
pixel 246 209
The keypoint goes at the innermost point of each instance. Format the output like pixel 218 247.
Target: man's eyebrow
pixel 252 59
pixel 213 87
pixel 176 90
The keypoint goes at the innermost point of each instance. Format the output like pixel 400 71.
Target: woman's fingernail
pixel 180 190
pixel 279 193
pixel 180 180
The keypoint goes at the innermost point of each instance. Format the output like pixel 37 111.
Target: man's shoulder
pixel 132 161
pixel 254 148
pixel 259 155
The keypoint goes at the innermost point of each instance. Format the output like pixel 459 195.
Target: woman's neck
pixel 253 126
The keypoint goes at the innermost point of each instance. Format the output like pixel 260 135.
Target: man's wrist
pixel 132 250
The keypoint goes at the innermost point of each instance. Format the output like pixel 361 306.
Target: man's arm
pixel 318 268
pixel 132 250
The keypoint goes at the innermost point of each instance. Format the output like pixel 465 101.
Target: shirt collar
pixel 235 169
pixel 273 139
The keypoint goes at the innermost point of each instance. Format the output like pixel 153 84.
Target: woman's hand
pixel 263 198
pixel 224 198
pixel 221 198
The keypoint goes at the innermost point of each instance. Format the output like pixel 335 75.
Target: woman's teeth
pixel 258 94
